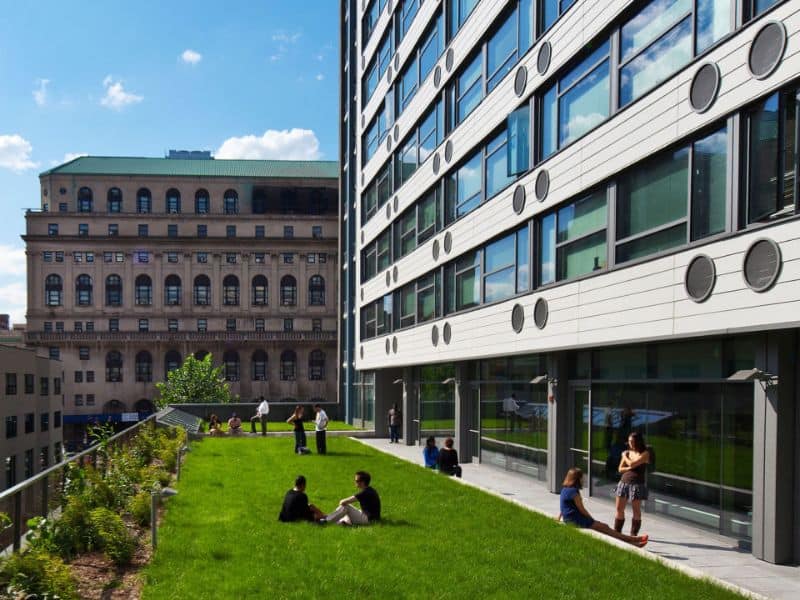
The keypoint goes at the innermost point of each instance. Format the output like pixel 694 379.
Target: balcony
pixel 36 337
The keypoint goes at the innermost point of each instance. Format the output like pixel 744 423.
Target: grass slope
pixel 221 539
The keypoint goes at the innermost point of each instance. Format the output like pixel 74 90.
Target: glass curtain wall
pixel 437 405
pixel 363 409
pixel 513 414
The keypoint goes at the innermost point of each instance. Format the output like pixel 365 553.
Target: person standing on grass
pixel 573 511
pixel 320 425
pixel 261 415
pixel 430 453
pixel 632 485
pixel 394 424
pixel 299 430
pixel 448 459
pixel 367 497
pixel 296 506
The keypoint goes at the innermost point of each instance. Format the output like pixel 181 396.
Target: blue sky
pixel 244 79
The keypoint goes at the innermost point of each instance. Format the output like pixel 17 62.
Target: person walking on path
pixel 296 506
pixel 320 425
pixel 347 514
pixel 573 511
pixel 261 415
pixel 632 486
pixel 299 430
pixel 394 424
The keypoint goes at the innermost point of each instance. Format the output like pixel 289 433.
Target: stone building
pixel 135 263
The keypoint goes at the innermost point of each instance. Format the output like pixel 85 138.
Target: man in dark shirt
pixel 367 497
pixel 296 506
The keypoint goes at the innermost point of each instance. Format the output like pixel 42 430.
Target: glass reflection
pixel 437 400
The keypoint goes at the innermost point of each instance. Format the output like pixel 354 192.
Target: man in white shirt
pixel 320 425
pixel 261 415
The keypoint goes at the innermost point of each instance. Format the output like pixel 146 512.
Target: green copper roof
pixel 176 167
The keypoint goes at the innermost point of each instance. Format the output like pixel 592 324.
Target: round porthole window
pixel 700 278
pixel 762 265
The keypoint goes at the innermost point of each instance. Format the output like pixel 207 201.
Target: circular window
pixel 540 313
pixel 520 81
pixel 700 278
pixel 517 318
pixel 543 58
pixel 766 50
pixel 762 265
pixel 704 88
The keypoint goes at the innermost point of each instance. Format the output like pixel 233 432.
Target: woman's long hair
pixel 574 478
pixel 638 442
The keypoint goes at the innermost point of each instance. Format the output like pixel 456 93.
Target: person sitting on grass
pixel 431 453
pixel 234 425
pixel 448 459
pixel 573 511
pixel 214 426
pixel 347 514
pixel 296 506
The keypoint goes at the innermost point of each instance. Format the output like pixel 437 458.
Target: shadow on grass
pixel 220 555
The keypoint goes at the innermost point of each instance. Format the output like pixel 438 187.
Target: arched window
pixel 288 366
pixel 288 291
pixel 172 290
pixel 172 360
pixel 316 365
pixel 144 406
pixel 113 407
pixel 114 366
pixel 144 290
pixel 173 201
pixel 230 290
pixel 144 201
pixel 84 200
pixel 259 366
pixel 114 199
pixel 316 291
pixel 83 290
pixel 230 202
pixel 230 364
pixel 200 354
pixel 144 366
pixel 202 290
pixel 260 290
pixel 53 290
pixel 202 205
pixel 319 202
pixel 113 290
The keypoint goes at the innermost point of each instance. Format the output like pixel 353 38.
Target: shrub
pixel 38 572
pixel 113 537
pixel 140 508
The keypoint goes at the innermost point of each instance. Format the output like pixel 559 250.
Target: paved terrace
pixel 691 549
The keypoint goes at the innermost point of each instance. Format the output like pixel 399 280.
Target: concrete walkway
pixel 690 549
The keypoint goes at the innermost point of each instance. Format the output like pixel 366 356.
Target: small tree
pixel 194 381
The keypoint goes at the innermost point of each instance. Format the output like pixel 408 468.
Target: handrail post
pixel 17 520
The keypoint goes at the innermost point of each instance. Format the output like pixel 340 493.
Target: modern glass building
pixel 569 220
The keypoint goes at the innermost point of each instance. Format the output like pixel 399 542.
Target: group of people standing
pixel 297 419
pixel 296 506
pixel 631 488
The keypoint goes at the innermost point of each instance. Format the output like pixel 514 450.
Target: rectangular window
pixel 78 400
pixel 509 43
pixel 172 325
pixel 761 6
pixel 89 399
pixel 230 231
pixel 30 422
pixel 113 325
pixel 52 229
pixel 316 325
pixel 119 257
pixel 89 326
pixel 77 257
pixel 458 11
pixel 202 257
pixel 259 234
pixel 288 324
pixel 375 133
pixel 322 257
pixel 11 384
pixel 11 427
pixel 108 257
pixel 202 231
pixel 57 419
pixel 78 377
pixel 464 188
pixel 172 257
pixel 59 256
pixel 172 230
pixel 11 469
pixel 579 101
pixel 230 325
pixel 47 256
pixel 62 207
pixel 551 10
pixel 311 258
pixel 499 278
pixel 518 128
pixel 469 88
pixel 57 386
pixel 144 325
pixel 113 230
pixel 288 258
pixel 408 11
pixel 44 421
pixel 89 376
pixel 259 258
pixel 141 257
pixel 83 353
pixel 316 232
pixel 28 463
pixel 230 258
pixel 54 353
pixel 384 250
pixel 83 229
pixel 89 257
pixel 260 325
pixel 202 325
pixel 143 229
pixel 288 232
pixel 59 326
pixel 427 298
pixel 48 326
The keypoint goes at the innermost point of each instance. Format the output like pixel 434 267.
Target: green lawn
pixel 220 537
pixel 284 426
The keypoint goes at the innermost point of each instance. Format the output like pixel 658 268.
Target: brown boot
pixel 619 524
pixel 636 524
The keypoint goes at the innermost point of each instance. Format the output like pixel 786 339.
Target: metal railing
pixel 40 495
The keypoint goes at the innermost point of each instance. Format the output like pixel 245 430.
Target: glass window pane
pixel 499 285
pixel 426 301
pixel 500 254
pixel 468 195
pixel 663 240
pixel 763 5
pixel 518 134
pixel 582 217
pixel 502 50
pixel 584 106
pixel 547 253
pixel 656 18
pixel 657 63
pixel 497 176
pixel 426 225
pixel 713 22
pixel 427 134
pixel 431 50
pixel 470 88
pixel 654 194
pixel 549 123
pixel 763 153
pixel 523 260
pixel 581 257
pixel 468 291
pixel 709 179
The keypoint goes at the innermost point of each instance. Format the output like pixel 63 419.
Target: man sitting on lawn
pixel 296 506
pixel 347 514
pixel 234 425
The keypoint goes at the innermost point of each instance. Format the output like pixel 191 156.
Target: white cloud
pixel 190 57
pixel 40 93
pixel 15 153
pixel 13 262
pixel 116 97
pixel 13 298
pixel 320 77
pixel 288 144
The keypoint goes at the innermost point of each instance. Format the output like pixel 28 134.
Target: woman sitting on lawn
pixel 448 459
pixel 214 426
pixel 299 429
pixel 431 453
pixel 573 511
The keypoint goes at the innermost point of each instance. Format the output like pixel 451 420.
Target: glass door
pixel 581 433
